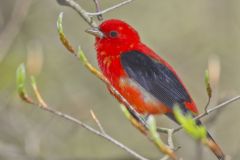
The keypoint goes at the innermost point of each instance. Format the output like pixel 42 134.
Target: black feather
pixel 155 78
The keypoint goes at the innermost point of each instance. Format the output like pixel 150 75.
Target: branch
pixel 87 16
pixel 82 12
pixel 98 9
pixel 220 106
pixel 110 8
pixel 44 106
pixel 94 131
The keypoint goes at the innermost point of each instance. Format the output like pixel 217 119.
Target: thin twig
pixel 224 104
pixel 98 9
pixel 97 122
pixel 46 107
pixel 169 132
pixel 87 16
pixel 216 114
pixel 110 8
pixel 207 105
pixel 220 106
pixel 170 138
pixel 92 130
pixel 40 100
pixel 82 12
pixel 163 130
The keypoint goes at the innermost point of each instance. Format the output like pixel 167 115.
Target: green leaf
pixel 81 55
pixel 152 126
pixel 59 23
pixel 189 124
pixel 63 39
pixel 21 78
pixel 125 111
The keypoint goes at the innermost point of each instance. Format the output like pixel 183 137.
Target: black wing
pixel 155 78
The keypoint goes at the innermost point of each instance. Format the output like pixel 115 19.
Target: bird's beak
pixel 96 32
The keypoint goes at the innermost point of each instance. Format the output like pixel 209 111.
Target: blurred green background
pixel 186 33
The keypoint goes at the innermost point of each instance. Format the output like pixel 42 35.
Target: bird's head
pixel 115 33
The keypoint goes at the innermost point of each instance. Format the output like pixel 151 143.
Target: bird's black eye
pixel 113 34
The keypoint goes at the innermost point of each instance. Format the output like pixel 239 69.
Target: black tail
pixel 215 148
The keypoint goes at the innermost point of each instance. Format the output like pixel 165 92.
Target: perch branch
pixel 220 106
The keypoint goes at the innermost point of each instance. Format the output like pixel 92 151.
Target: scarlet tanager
pixel 140 75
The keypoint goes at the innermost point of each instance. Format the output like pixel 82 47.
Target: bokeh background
pixel 187 33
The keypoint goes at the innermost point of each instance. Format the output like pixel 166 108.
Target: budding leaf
pixel 21 77
pixel 59 23
pixel 81 55
pixel 189 124
pixel 20 80
pixel 207 84
pixel 63 39
pixel 125 111
pixel 152 126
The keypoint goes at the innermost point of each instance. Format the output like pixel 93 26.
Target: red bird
pixel 140 75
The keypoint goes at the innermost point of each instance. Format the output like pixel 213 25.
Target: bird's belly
pixel 139 98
